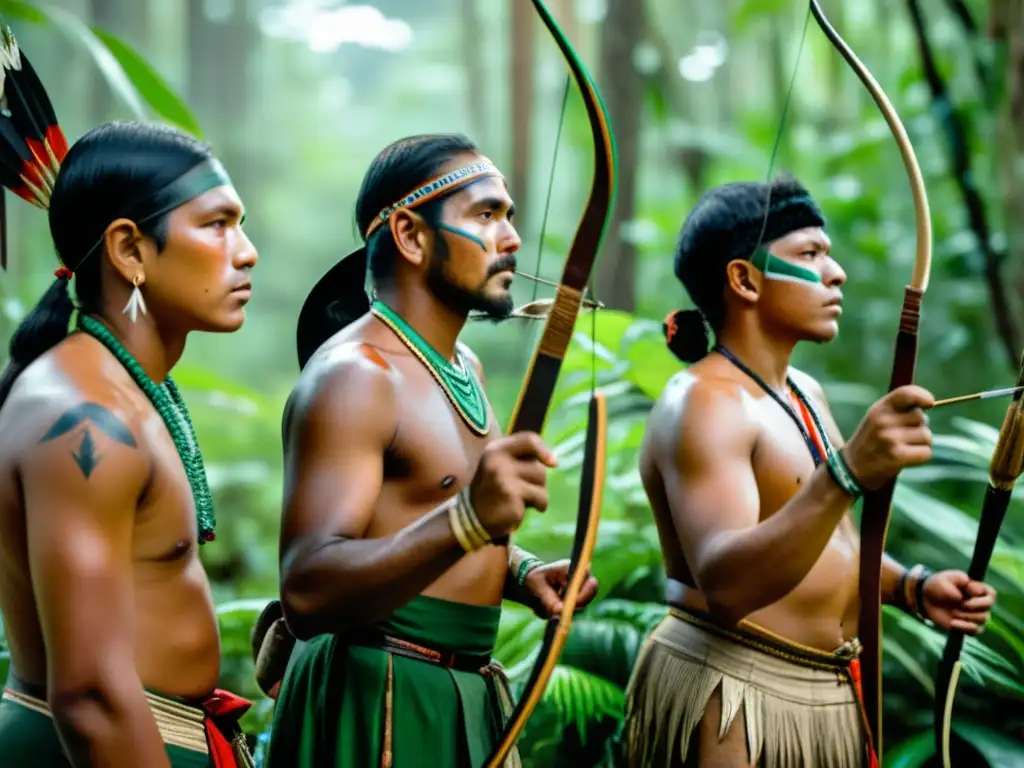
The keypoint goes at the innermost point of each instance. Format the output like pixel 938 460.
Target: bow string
pixel 876 509
pixel 877 506
pixel 532 405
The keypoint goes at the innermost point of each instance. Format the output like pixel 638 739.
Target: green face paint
pixel 463 233
pixel 775 268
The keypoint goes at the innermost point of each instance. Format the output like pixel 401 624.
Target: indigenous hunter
pixel 115 651
pixel 397 481
pixel 751 486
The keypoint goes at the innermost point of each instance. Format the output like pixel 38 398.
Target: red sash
pixel 223 710
pixel 855 676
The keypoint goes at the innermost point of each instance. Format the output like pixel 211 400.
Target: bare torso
pixel 822 610
pixel 432 455
pixel 176 638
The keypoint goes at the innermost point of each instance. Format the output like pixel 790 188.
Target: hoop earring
pixel 135 303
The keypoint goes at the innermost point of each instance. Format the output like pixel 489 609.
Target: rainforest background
pixel 296 96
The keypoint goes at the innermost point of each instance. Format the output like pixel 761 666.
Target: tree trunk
pixel 677 93
pixel 475 88
pixel 521 87
pixel 566 18
pixel 621 33
pixel 221 42
pixel 1007 30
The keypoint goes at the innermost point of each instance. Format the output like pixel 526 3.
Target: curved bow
pixel 1006 466
pixel 877 504
pixel 530 410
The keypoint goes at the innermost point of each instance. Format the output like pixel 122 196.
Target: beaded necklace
pixel 458 381
pixel 167 401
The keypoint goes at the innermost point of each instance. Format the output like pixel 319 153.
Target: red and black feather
pixel 32 144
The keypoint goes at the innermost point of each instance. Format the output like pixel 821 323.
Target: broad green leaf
pixel 150 85
pixel 913 752
pixel 16 9
pixel 80 34
pixel 128 74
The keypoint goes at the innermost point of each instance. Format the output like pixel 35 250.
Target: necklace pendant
pixel 457 380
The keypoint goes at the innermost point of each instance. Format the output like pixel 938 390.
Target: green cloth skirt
pixel 333 710
pixel 28 739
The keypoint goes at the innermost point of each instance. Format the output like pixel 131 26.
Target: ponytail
pixel 686 334
pixel 45 326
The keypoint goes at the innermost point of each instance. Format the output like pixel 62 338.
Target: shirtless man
pixel 115 651
pixel 751 484
pixel 397 479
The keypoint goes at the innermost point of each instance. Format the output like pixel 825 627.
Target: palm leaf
pixel 576 698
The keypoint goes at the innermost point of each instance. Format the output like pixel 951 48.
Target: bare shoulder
pixel 347 381
pixel 702 408
pixel 77 401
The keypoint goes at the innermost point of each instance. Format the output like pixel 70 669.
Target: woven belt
pixel 443 658
pixel 767 642
pixel 179 724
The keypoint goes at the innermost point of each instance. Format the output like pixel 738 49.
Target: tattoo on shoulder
pixel 84 415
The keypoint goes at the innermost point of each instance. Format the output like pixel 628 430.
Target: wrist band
pixel 844 478
pixel 901 592
pixel 529 565
pixel 926 573
pixel 521 563
pixel 468 530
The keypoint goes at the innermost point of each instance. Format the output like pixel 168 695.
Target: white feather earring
pixel 135 303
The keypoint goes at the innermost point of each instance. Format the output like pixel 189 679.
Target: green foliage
pixel 313 120
pixel 128 74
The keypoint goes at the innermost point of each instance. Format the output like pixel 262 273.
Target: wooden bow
pixel 530 410
pixel 877 504
pixel 1006 466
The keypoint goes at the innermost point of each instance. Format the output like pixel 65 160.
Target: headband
pixel 446 183
pixel 339 296
pixel 199 179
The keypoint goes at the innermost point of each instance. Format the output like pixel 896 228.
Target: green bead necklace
pixel 458 381
pixel 167 401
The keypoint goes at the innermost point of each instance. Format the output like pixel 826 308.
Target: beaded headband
pixel 446 183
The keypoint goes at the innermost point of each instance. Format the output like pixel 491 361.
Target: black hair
pixel 395 172
pixel 729 222
pixel 104 176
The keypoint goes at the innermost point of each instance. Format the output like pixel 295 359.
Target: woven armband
pixel 844 478
pixel 466 526
pixel 521 563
